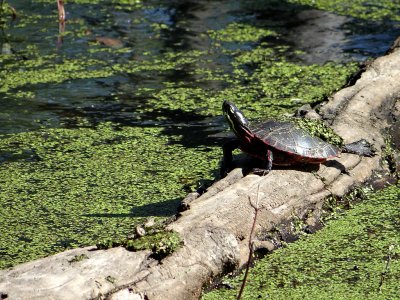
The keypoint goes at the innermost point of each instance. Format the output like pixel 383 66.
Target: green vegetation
pixel 320 129
pixel 369 10
pixel 39 71
pixel 64 188
pixel 336 262
pixel 161 243
pixel 236 32
pixel 68 188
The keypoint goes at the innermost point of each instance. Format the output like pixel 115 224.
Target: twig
pixel 61 11
pixel 61 23
pixel 256 209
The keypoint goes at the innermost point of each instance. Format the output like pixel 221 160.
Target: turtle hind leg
pixel 361 147
pixel 268 167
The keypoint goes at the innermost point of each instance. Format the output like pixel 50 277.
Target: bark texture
pixel 215 226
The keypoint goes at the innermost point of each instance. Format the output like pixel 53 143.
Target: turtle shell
pixel 287 140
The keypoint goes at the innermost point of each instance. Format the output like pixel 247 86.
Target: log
pixel 215 226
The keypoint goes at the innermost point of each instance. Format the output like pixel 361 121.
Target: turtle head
pixel 236 119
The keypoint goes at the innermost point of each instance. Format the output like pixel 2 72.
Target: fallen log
pixel 215 226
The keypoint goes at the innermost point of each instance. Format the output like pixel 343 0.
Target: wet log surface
pixel 215 226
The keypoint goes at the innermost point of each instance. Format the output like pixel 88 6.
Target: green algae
pixel 239 32
pixel 273 86
pixel 35 72
pixel 368 10
pixel 283 86
pixel 67 188
pixel 348 259
pixel 319 129
pixel 161 243
pixel 278 84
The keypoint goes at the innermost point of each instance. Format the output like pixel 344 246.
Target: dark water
pixel 323 36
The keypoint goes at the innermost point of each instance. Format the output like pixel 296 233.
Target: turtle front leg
pixel 262 172
pixel 227 149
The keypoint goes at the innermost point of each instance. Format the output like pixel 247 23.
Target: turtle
pixel 280 143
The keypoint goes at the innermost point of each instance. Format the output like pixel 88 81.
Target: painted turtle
pixel 280 143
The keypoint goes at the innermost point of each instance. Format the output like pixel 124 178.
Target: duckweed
pixel 239 32
pixel 161 243
pixel 335 262
pixel 66 188
pixel 28 73
pixel 368 10
pixel 320 129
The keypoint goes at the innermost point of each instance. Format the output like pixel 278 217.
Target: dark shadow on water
pixel 27 155
pixel 195 129
pixel 160 209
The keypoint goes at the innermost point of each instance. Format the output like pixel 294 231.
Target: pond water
pixel 116 119
pixel 144 33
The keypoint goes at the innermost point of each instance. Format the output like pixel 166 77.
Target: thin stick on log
pixel 256 209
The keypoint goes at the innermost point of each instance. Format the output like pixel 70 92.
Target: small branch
pixel 61 11
pixel 61 23
pixel 256 209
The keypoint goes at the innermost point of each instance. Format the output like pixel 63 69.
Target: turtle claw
pixel 361 147
pixel 268 165
pixel 260 172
